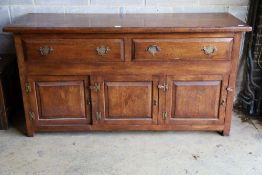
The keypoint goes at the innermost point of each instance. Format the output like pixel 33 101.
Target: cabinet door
pixel 196 99
pixel 60 100
pixel 130 100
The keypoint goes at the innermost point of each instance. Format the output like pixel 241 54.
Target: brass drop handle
pixel 46 50
pixel 153 49
pixel 103 50
pixel 209 50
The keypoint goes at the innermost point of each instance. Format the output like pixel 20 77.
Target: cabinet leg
pixel 29 134
pixel 224 132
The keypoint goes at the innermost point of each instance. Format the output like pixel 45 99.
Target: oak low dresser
pixel 105 72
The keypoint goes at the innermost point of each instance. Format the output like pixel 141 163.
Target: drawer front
pixel 74 50
pixel 175 49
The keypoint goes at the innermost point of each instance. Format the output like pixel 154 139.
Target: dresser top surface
pixel 126 23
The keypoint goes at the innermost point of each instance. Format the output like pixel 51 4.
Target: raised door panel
pixel 196 100
pixel 59 100
pixel 126 100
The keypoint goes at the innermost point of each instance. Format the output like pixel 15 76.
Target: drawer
pixel 74 50
pixel 175 49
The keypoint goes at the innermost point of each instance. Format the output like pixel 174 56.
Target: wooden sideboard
pixel 103 72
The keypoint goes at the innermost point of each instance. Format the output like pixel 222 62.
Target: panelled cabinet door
pixel 59 100
pixel 196 99
pixel 128 100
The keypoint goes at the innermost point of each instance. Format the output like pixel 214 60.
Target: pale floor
pixel 134 153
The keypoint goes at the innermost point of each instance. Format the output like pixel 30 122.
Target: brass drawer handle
pixel 46 50
pixel 103 50
pixel 209 50
pixel 153 49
